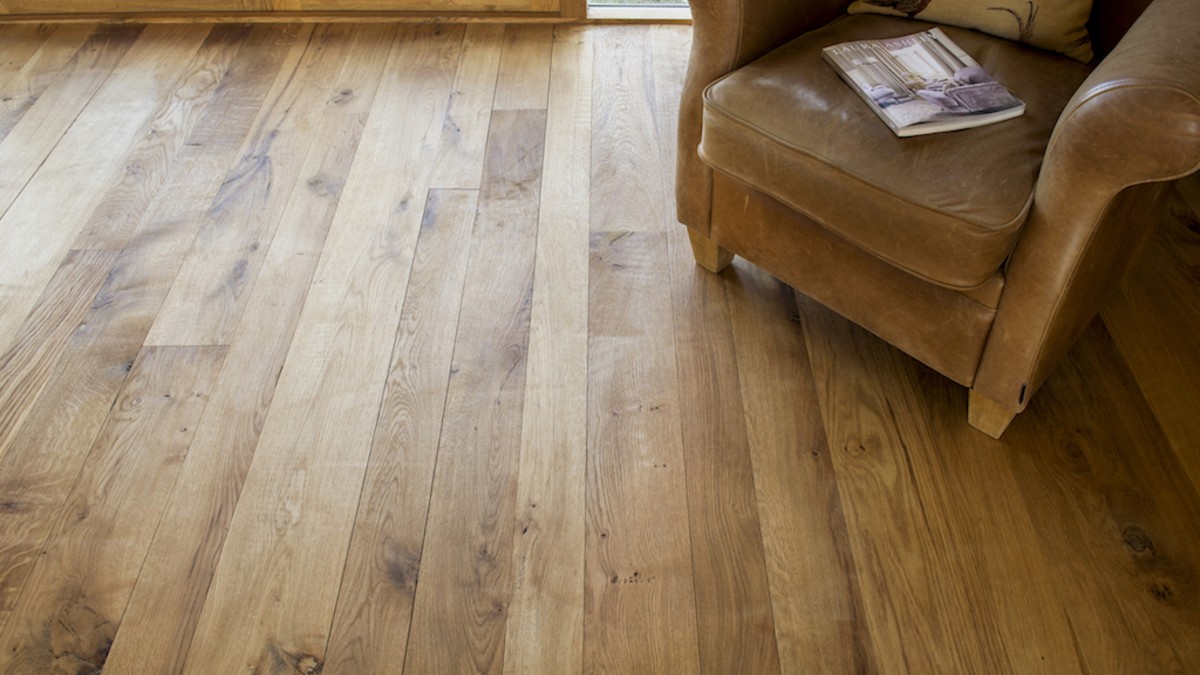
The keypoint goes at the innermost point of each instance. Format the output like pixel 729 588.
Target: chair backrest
pixel 1110 20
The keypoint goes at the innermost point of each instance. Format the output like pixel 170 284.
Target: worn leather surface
pixel 1134 124
pixel 942 328
pixel 945 207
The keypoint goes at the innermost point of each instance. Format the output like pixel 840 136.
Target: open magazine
pixel 922 83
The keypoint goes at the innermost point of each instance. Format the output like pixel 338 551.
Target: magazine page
pixel 920 78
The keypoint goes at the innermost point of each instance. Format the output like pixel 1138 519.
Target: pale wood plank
pixel 72 179
pixel 524 77
pixel 639 598
pixel 163 611
pixel 734 623
pixel 29 364
pixel 817 602
pixel 459 161
pixel 632 189
pixel 52 46
pixel 209 294
pixel 544 633
pixel 372 621
pixel 149 163
pixel 466 578
pixel 316 437
pixel 26 147
pixel 1154 317
pixel 72 604
pixel 955 582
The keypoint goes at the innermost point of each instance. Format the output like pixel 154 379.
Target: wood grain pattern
pixel 470 429
pixel 545 616
pixel 372 621
pixel 45 50
pixel 820 622
pixel 126 7
pixel 71 607
pixel 71 180
pixel 459 162
pixel 639 558
pixel 733 604
pixel 317 435
pixel 466 566
pixel 209 295
pixel 29 364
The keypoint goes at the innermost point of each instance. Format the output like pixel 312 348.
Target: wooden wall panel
pixel 161 7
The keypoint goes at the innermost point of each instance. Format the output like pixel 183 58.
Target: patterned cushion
pixel 1057 25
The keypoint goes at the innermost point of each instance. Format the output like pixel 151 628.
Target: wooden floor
pixel 353 349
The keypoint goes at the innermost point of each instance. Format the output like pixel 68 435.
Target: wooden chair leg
pixel 708 254
pixel 987 415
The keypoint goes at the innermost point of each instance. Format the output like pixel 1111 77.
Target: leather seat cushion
pixel 945 207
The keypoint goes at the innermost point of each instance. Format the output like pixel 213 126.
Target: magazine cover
pixel 922 83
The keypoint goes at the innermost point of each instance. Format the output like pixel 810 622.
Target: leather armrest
pixel 1133 125
pixel 727 34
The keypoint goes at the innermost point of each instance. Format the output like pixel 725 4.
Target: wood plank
pixel 1116 514
pixel 72 604
pixel 96 358
pixel 816 599
pixel 639 562
pixel 466 577
pixel 735 627
pixel 459 161
pixel 1154 317
pixel 48 49
pixel 168 7
pixel 73 178
pixel 962 548
pixel 29 364
pixel 180 564
pixel 372 621
pixel 631 188
pixel 209 294
pixel 25 148
pixel 316 437
pixel 544 633
pixel 524 76
pixel 149 163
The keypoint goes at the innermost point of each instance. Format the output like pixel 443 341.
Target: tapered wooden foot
pixel 987 415
pixel 708 254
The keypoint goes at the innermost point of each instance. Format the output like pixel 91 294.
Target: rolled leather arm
pixel 1132 127
pixel 727 34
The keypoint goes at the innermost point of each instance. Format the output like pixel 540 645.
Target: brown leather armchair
pixel 983 253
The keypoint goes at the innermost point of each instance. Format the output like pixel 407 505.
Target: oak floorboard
pixel 734 622
pixel 816 597
pixel 180 563
pixel 73 178
pixel 209 295
pixel 465 584
pixel 639 593
pixel 923 611
pixel 523 81
pixel 71 606
pixel 632 191
pixel 53 45
pixel 375 600
pixel 316 438
pixel 1115 514
pixel 29 364
pixel 459 163
pixel 1154 318
pixel 544 633
pixel 149 163
pixel 26 147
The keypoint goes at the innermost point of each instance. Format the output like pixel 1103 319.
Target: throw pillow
pixel 1057 25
